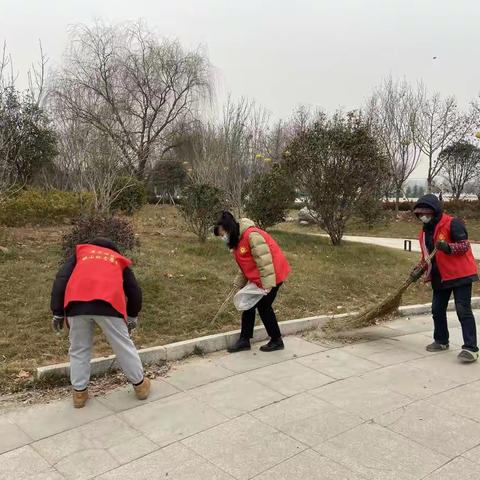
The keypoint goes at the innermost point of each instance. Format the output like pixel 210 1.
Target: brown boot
pixel 143 390
pixel 80 398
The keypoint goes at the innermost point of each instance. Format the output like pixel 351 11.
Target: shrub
pixel 86 228
pixel 200 207
pixel 132 195
pixel 270 195
pixel 43 207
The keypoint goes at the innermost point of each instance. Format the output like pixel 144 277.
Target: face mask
pixel 226 238
pixel 425 218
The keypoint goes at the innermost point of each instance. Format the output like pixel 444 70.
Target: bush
pixel 201 205
pixel 43 207
pixel 270 195
pixel 132 196
pixel 86 228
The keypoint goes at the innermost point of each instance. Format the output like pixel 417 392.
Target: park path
pixel 397 243
pixel 380 409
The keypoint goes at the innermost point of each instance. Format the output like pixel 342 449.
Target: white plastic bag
pixel 248 297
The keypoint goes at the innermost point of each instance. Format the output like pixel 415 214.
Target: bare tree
pixel 132 87
pixel 228 153
pixel 461 162
pixel 437 123
pixel 392 114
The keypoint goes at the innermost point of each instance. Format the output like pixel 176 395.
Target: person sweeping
pixel 452 270
pixel 262 262
pixel 96 286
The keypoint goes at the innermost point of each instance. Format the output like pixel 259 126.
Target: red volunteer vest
pixel 98 275
pixel 246 262
pixel 450 267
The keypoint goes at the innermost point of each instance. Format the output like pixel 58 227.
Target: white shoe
pixel 467 356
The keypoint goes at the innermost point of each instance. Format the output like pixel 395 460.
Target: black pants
pixel 463 306
pixel 267 315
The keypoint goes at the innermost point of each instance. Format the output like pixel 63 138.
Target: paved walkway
pixel 381 409
pixel 397 243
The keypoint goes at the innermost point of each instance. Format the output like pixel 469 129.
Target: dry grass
pixel 184 283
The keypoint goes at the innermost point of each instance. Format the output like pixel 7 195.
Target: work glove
pixel 132 324
pixel 57 322
pixel 416 273
pixel 443 246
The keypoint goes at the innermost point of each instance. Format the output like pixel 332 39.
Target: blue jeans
pixel 463 306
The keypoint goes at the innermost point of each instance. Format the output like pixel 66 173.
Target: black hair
pixel 105 243
pixel 228 222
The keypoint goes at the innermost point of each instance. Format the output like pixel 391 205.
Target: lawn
pixel 184 282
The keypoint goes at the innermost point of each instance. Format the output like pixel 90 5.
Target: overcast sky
pixel 327 53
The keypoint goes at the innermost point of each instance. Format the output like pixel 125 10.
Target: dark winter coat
pixel 458 233
pixel 133 293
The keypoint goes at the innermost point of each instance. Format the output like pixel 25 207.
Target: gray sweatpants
pixel 81 341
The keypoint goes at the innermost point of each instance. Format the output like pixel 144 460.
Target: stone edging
pixel 220 341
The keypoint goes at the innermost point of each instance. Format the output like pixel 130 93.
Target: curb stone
pixel 220 341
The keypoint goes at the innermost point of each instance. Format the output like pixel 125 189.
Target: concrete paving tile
pixel 11 436
pixel 195 373
pixel 175 462
pixel 473 454
pixel 42 421
pixel 236 395
pixel 307 418
pixel 463 400
pixel 457 468
pixel 300 347
pixel 433 427
pixel 86 464
pixel 380 454
pixel 50 474
pixel 171 419
pixel 135 448
pixel 123 398
pixel 289 378
pixel 92 449
pixel 410 381
pixel 250 360
pixel 309 465
pixel 361 397
pixel 22 463
pixel 416 324
pixel 338 363
pixel 416 342
pixel 446 364
pixel 365 349
pixel 394 357
pixel 244 447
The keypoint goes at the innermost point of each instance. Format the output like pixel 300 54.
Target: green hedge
pixel 44 207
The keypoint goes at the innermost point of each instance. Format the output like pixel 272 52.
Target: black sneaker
pixel 467 356
pixel 436 347
pixel 273 345
pixel 240 345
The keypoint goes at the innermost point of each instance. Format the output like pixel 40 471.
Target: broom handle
pixel 222 306
pixel 409 281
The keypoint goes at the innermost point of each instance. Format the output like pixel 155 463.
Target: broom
pixel 387 306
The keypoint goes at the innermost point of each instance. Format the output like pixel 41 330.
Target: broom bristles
pixel 386 307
